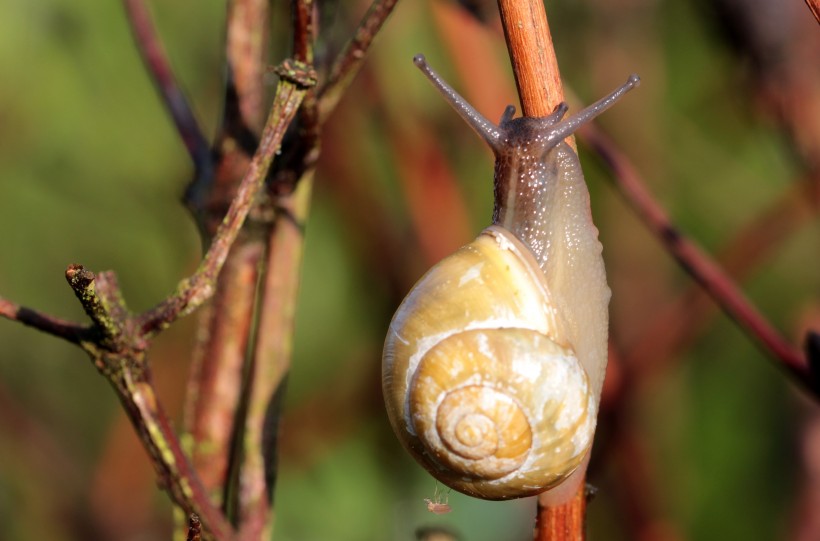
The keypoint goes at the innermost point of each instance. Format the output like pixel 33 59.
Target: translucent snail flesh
pixel 494 362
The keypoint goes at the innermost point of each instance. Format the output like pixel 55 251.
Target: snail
pixel 494 362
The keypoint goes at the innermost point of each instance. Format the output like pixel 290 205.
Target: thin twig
pixel 117 350
pixel 152 52
pixel 814 6
pixel 71 332
pixel 685 316
pixel 304 31
pixel 349 61
pixel 246 50
pixel 121 339
pixel 698 264
pixel 295 79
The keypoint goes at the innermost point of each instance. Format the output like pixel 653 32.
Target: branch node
pixel 300 74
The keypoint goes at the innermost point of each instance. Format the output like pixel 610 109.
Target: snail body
pixel 494 362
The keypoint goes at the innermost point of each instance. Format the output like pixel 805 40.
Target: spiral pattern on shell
pixel 496 403
pixel 492 402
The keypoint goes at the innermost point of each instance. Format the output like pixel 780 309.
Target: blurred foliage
pixel 91 171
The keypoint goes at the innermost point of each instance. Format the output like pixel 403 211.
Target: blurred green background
pixel 92 171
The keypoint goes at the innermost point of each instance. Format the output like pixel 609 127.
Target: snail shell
pixel 483 389
pixel 494 362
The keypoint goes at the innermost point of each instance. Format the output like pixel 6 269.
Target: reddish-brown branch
pixel 271 353
pixel 152 52
pixel 814 6
pixel 564 522
pixel 540 90
pixel 271 362
pixel 173 468
pixel 213 398
pixel 99 298
pixel 697 263
pixel 680 321
pixel 245 49
pixel 350 60
pixel 304 31
pixel 532 55
pixel 119 340
pixel 117 349
pixel 72 332
pixel 214 391
pixel 192 292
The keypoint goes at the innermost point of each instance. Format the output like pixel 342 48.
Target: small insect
pixel 436 506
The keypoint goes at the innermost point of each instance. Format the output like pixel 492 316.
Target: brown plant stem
pixel 213 398
pixel 814 6
pixel 698 264
pixel 564 522
pixel 532 55
pixel 669 331
pixel 153 55
pixel 273 336
pixel 304 30
pixel 215 386
pixel 290 192
pixel 680 321
pixel 71 332
pixel 271 362
pixel 118 341
pixel 245 47
pixel 540 89
pixel 174 470
pixel 350 60
pixel 296 78
pixel 118 353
